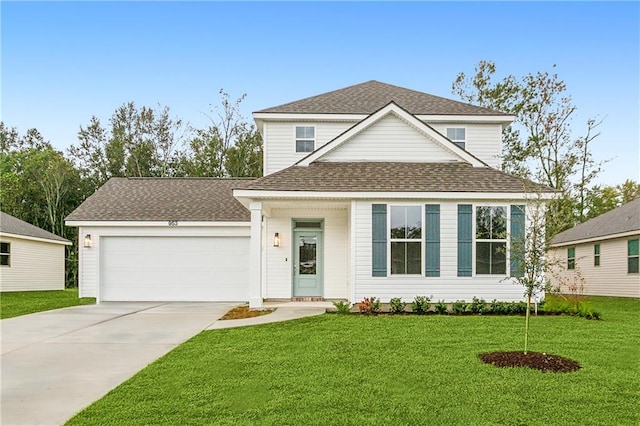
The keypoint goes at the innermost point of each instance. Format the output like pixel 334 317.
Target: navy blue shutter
pixel 379 238
pixel 517 241
pixel 465 240
pixel 432 240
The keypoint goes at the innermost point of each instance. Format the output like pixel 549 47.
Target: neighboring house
pixel 30 257
pixel 600 256
pixel 371 190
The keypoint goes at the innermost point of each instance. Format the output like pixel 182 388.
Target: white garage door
pixel 174 268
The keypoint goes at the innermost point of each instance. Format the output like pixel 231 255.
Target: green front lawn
pixel 401 370
pixel 18 303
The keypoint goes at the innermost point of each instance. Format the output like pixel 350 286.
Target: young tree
pixel 229 146
pixel 540 144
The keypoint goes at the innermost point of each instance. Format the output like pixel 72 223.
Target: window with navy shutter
pixel 432 240
pixel 379 240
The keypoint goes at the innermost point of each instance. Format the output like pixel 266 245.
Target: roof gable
pixel 370 133
pixel 368 97
pixel 14 226
pixel 625 218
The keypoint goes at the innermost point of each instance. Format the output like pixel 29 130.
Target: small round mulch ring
pixel 536 360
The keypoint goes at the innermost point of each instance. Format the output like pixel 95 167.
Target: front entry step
pixel 307 299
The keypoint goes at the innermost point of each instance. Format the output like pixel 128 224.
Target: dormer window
pixel 305 138
pixel 457 135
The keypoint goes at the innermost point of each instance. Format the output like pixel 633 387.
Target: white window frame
pixel 632 256
pixel 457 141
pixel 596 256
pixel 296 139
pixel 507 240
pixel 398 240
pixel 7 253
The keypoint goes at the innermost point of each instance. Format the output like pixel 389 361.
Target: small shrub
pixel 478 306
pixel 420 305
pixel 459 307
pixel 441 307
pixel 397 305
pixel 342 307
pixel 570 305
pixel 369 305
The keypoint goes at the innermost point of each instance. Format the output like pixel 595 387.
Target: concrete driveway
pixel 55 363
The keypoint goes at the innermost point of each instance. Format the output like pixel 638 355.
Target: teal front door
pixel 307 265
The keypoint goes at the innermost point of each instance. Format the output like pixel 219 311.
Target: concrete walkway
pixel 56 363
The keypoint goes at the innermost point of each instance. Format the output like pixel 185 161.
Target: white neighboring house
pixel 30 257
pixel 600 254
pixel 370 190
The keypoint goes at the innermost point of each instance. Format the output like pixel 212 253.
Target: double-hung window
pixel 5 254
pixel 491 240
pixel 305 138
pixel 457 135
pixel 632 256
pixel 596 255
pixel 406 240
pixel 571 258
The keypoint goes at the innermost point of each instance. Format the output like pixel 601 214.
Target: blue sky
pixel 64 62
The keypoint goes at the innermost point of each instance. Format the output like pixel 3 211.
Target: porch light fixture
pixel 87 241
pixel 276 240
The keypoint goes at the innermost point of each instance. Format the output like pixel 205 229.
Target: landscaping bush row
pixel 422 305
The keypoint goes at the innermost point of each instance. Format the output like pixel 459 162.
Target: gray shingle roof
pixel 368 97
pixel 625 218
pixel 393 177
pixel 163 199
pixel 12 225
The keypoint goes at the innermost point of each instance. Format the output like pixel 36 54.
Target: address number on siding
pixel 173 223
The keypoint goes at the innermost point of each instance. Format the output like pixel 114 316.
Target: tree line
pixel 42 185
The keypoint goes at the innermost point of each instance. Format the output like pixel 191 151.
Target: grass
pixel 352 369
pixel 13 304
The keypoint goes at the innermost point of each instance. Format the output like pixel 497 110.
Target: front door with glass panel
pixel 307 265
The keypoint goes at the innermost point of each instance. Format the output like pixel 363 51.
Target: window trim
pixel 596 255
pixel 506 240
pixel 395 240
pixel 7 254
pixel 295 138
pixel 461 143
pixel 634 256
pixel 571 260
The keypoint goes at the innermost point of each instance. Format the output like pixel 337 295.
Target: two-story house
pixel 370 190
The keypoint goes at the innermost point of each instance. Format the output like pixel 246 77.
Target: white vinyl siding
pixel 391 139
pixel 608 279
pixel 482 140
pixel 280 145
pixel 277 282
pixel 448 286
pixel 35 265
pixel 90 271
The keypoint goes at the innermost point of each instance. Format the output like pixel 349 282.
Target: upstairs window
pixel 571 258
pixel 457 135
pixel 491 240
pixel 596 255
pixel 305 138
pixel 632 256
pixel 406 240
pixel 5 254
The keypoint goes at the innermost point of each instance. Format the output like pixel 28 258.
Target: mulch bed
pixel 241 312
pixel 536 360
